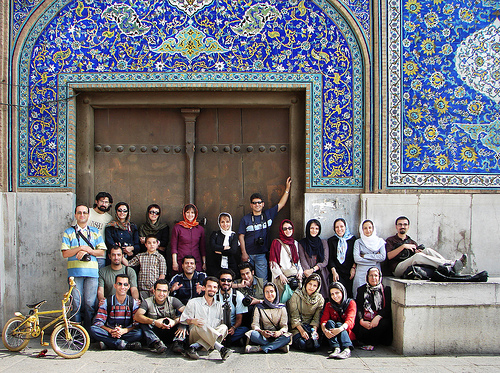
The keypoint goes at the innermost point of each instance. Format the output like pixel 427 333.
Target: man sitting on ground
pixel 232 304
pixel 402 252
pixel 159 317
pixel 114 325
pixel 204 317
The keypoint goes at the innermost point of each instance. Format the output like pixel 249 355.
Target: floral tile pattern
pixel 126 41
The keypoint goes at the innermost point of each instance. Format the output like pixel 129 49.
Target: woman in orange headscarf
pixel 188 238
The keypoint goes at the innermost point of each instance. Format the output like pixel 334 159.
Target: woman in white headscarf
pixel 223 249
pixel 369 251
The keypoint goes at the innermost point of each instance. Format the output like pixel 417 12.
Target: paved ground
pixel 382 360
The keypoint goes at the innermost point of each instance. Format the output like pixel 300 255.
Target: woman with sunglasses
pixel 123 233
pixel 153 226
pixel 284 257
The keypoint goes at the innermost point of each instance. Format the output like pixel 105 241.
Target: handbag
pixel 287 294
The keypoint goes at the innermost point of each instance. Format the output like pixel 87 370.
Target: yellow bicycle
pixel 68 339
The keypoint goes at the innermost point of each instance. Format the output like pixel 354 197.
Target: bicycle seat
pixel 36 305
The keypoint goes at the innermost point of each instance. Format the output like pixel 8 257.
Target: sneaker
pixel 191 353
pixel 159 347
pixel 458 265
pixel 285 348
pixel 133 346
pixel 346 352
pixel 251 348
pixel 225 353
pixel 177 347
pixel 335 353
pixel 102 345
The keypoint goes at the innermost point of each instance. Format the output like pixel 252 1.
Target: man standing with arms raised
pixel 252 232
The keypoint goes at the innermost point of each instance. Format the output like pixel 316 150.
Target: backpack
pixel 419 272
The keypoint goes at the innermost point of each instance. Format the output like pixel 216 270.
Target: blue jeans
pixel 102 335
pixel 342 339
pixel 266 344
pixel 86 289
pixel 259 262
pixel 239 333
pixel 153 334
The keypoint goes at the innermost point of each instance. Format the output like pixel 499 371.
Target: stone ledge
pixel 445 318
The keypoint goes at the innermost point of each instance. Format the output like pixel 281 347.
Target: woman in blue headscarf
pixel 341 260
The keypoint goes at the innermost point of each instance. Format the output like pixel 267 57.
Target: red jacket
pixel 349 317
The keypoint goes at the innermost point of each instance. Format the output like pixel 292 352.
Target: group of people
pixel 223 295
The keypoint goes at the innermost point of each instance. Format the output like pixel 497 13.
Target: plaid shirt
pixel 152 266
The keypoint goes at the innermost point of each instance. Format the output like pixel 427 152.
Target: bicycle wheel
pixel 70 348
pixel 15 340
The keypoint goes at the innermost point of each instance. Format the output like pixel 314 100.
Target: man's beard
pixel 402 231
pixel 103 208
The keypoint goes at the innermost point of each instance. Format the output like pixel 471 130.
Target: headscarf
pixel 125 226
pixel 314 297
pixel 342 307
pixel 149 228
pixel 373 242
pixel 342 245
pixel 313 246
pixel 227 234
pixel 275 255
pixel 186 223
pixel 374 298
pixel 275 303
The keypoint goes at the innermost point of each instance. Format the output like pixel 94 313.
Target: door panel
pixel 238 151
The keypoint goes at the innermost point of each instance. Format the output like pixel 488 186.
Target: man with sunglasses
pixel 252 232
pixel 232 305
pixel 114 325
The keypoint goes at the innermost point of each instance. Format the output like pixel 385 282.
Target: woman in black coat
pixel 341 260
pixel 223 249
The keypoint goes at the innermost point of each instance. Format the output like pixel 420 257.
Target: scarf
pixel 342 307
pixel 275 303
pixel 313 246
pixel 186 223
pixel 314 297
pixel 124 226
pixel 373 242
pixel 342 245
pixel 373 298
pixel 275 254
pixel 150 228
pixel 227 234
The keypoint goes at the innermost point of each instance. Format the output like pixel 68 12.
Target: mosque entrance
pixel 213 155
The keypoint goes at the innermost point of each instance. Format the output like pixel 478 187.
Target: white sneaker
pixel 346 352
pixel 335 353
pixel 250 348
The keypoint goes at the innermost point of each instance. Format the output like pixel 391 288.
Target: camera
pixel 247 300
pixel 293 282
pixel 86 258
pixel 260 241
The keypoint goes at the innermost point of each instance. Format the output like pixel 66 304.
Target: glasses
pixel 403 224
pixel 288 229
pixel 226 280
pixel 122 284
pixel 82 213
pixel 257 202
pixel 120 210
pixel 154 212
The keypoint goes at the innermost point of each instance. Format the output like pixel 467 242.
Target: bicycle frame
pixel 33 330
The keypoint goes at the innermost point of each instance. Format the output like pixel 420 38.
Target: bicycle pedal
pixel 44 344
